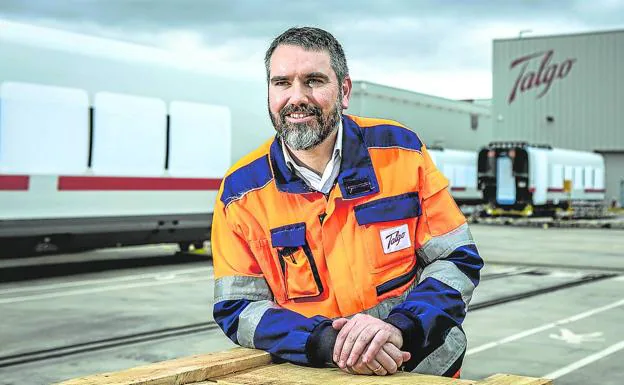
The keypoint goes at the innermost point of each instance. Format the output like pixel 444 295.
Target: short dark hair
pixel 313 39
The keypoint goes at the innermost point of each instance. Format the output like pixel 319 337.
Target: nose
pixel 299 94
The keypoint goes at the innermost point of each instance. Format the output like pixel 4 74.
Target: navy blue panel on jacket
pixel 226 314
pixel 285 334
pixel 388 209
pixel 391 136
pixel 252 176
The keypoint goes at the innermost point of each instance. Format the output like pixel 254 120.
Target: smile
pixel 299 117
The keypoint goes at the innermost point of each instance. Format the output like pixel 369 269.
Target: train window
pixel 471 172
pixel 568 173
pixel 556 176
pixel 599 178
pixel 129 135
pixel 449 172
pixel 43 129
pixel 589 178
pixel 578 178
pixel 461 176
pixel 200 140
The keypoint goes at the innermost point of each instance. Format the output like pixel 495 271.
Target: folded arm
pixel 244 307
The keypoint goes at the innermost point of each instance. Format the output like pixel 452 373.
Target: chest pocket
pixel 301 277
pixel 389 225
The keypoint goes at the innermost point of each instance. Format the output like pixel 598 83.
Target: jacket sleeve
pixel 244 306
pixel 430 318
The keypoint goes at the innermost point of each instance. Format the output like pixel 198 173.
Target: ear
pixel 346 91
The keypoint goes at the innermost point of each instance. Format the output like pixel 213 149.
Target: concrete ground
pixel 573 335
pixel 602 248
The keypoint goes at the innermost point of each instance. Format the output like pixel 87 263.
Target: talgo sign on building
pixel 542 79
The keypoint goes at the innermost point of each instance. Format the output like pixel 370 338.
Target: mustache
pixel 304 108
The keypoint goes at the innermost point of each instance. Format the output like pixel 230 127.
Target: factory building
pixel 566 91
pixel 439 122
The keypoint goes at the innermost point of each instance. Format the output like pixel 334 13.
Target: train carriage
pixel 105 142
pixel 460 168
pixel 520 178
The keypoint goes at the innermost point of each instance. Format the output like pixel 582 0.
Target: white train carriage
pixel 460 168
pixel 105 143
pixel 517 177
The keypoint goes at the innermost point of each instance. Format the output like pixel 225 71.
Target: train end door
pixel 505 181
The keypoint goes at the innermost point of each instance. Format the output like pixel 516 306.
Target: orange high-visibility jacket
pixel 388 241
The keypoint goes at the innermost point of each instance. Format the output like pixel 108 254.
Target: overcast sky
pixel 439 47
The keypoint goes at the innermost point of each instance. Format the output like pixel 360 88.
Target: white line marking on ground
pixel 586 361
pixel 568 336
pixel 103 280
pixel 100 289
pixel 547 326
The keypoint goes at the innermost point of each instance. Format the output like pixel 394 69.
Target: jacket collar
pixel 356 178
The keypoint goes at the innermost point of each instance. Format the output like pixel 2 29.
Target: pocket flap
pixel 289 235
pixel 388 209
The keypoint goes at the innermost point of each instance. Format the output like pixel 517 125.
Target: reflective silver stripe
pixel 383 308
pixel 441 359
pixel 238 287
pixel 248 321
pixel 441 246
pixel 447 272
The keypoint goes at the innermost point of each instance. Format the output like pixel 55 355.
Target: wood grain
pixel 241 366
pixel 289 374
pixel 510 379
pixel 186 370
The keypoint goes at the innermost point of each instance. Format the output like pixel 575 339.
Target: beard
pixel 304 136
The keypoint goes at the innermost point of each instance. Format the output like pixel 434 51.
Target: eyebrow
pixel 308 76
pixel 278 78
pixel 317 75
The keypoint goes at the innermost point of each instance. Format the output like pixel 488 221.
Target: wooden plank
pixel 510 379
pixel 185 370
pixel 289 374
pixel 241 366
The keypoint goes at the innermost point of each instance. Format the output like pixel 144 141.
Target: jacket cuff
pixel 320 345
pixel 410 330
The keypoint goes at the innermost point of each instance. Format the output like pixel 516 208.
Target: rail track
pixel 43 355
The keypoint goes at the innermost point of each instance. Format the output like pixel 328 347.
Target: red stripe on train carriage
pixel 594 190
pixel 458 189
pixel 554 189
pixel 14 182
pixel 108 183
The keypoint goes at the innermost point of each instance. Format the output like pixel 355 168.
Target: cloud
pixel 381 38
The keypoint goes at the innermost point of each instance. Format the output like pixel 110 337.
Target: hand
pixel 360 333
pixel 388 361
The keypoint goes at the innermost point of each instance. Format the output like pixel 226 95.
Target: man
pixel 337 241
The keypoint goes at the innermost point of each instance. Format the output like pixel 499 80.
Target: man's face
pixel 305 100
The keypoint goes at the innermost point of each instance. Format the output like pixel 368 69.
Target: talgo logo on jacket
pixel 395 239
